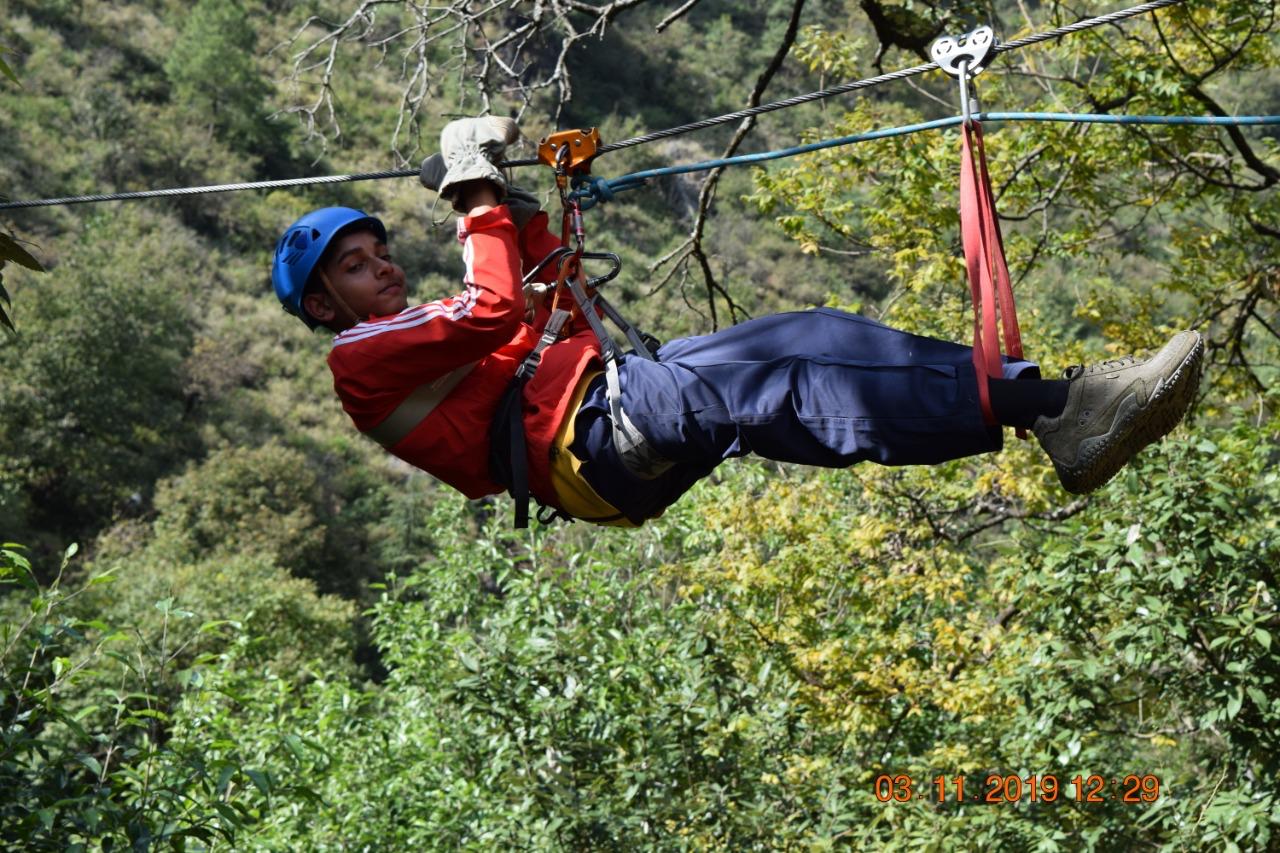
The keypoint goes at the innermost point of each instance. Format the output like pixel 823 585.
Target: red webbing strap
pixel 989 283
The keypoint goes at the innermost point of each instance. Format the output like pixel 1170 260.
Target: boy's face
pixel 360 268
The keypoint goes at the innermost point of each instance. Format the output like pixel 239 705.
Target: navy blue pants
pixel 819 387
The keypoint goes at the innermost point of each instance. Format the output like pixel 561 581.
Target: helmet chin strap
pixel 333 294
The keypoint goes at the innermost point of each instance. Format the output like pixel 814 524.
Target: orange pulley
pixel 569 152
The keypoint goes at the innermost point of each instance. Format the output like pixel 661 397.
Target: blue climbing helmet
pixel 301 247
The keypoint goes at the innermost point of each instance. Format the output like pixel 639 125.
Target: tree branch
pixel 507 71
pixel 692 247
pixel 676 15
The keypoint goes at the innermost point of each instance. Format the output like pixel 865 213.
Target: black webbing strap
pixel 643 344
pixel 608 349
pixel 508 454
pixel 508 449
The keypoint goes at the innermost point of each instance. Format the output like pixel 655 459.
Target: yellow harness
pixel 575 494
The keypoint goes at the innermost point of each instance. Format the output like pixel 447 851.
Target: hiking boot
pixel 1116 408
pixel 471 149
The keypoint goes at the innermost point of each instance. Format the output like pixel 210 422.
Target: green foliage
pixel 582 709
pixel 76 446
pixel 112 690
pixel 276 503
pixel 214 76
pixel 290 626
pixel 545 701
pixel 5 69
pixel 812 634
pixel 1172 574
pixel 243 501
pixel 74 785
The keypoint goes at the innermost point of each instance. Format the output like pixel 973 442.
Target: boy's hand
pixel 523 204
pixel 535 295
pixel 471 150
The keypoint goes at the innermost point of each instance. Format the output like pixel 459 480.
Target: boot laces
pixel 1075 371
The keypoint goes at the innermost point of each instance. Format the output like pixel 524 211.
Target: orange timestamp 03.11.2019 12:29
pixel 1133 788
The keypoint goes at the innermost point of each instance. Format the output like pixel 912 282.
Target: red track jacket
pixel 378 362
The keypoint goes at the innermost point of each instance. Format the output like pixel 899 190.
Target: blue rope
pixel 592 190
pixel 1096 118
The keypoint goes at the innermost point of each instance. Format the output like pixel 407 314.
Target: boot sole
pixel 1135 427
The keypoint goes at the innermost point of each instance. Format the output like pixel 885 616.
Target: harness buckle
pixel 528 367
pixel 651 343
pixel 547 514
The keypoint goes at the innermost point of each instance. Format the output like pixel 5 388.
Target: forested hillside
pixel 232 622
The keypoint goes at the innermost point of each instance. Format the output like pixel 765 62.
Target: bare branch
pixel 676 15
pixel 692 248
pixel 510 54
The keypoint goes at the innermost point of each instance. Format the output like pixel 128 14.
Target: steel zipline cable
pixel 213 188
pixel 845 88
pixel 904 73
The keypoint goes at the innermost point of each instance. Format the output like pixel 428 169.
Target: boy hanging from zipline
pixel 819 387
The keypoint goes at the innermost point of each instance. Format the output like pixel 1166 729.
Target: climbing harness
pixel 569 154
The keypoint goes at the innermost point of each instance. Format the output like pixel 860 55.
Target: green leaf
pixel 1263 637
pixel 260 781
pixel 195 832
pixel 8 72
pixel 224 776
pixel 10 250
pixel 95 767
pixel 229 814
pixel 1234 703
pixel 294 743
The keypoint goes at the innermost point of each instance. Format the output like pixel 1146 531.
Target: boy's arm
pixel 536 242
